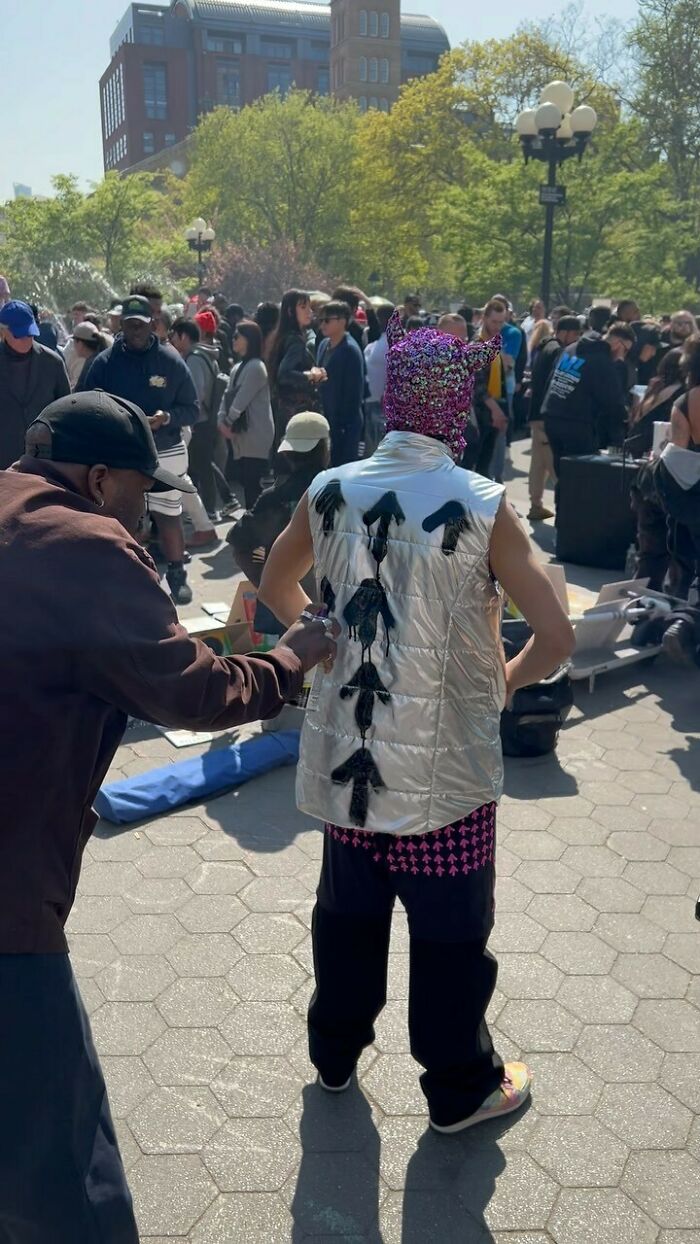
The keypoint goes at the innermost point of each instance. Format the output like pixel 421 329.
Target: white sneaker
pixel 334 1088
pixel 509 1096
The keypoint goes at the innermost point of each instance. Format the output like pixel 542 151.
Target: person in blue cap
pixel 31 376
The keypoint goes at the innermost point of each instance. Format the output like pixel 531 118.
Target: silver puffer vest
pixel 403 736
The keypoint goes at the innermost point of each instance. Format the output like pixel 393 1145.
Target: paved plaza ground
pixel 190 937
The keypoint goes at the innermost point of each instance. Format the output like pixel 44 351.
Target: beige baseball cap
pixel 304 431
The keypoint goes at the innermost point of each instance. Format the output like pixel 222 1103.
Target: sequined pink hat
pixel 430 381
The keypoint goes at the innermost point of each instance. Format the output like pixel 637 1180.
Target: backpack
pixel 218 386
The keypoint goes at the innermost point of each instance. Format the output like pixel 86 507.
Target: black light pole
pixel 199 238
pixel 553 134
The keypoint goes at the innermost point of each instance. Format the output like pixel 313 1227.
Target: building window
pixel 215 42
pixel 170 140
pixel 417 65
pixel 155 92
pixel 384 27
pixel 149 142
pixel 277 51
pixel 384 105
pixel 373 69
pixel 363 69
pixel 323 82
pixel 363 21
pixel 373 101
pixel 384 71
pixel 152 34
pixel 228 85
pixel 362 101
pixel 373 25
pixel 113 101
pixel 279 79
pixel 319 51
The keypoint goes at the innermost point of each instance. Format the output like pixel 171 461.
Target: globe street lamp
pixel 199 238
pixel 552 133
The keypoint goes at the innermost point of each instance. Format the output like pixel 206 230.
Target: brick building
pixel 172 63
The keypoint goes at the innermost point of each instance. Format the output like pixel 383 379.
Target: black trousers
pixel 452 974
pixel 251 473
pixel 201 452
pixel 61 1174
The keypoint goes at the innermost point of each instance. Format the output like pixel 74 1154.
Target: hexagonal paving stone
pixel 256 1087
pixel 126 1027
pixel 269 934
pixel 511 895
pixel 577 831
pixel 335 1196
pixel 528 976
pixel 108 878
pixel 683 949
pixel 638 845
pixel 128 1082
pixel 606 794
pixel 212 913
pixel 673 914
pixel 666 1185
pixel 520 816
pixel 117 845
pixel 254 1217
pixel 680 1074
pixel 562 912
pixel 656 877
pixel 579 953
pixel 564 1085
pixel 136 978
pixel 90 953
pixel 596 1216
pixel 593 861
pixel 188 1056
pixel 681 833
pixel 220 877
pixel 252 1155
pixel 673 1025
pixel 597 999
pixel 91 994
pixel 176 831
pixel 686 860
pixel 432 1217
pixel 266 978
pixel 195 1003
pixel 578 1152
pixel 176 1120
pixel 148 935
pixel 627 759
pixel 535 845
pixel 610 894
pixel 621 818
pixel 261 1028
pixel 170 1193
pixel 651 976
pixel 153 895
pixel 392 1029
pixel 548 877
pixel 522 1198
pixel 629 932
pixel 410 1153
pixel 392 1082
pixel 517 932
pixel 205 954
pixel 97 914
pixel 571 805
pixel 661 806
pixel 170 861
pixel 216 845
pixel 644 1116
pixel 285 863
pixel 541 1025
pixel 618 1052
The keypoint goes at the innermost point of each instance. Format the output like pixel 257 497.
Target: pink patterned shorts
pixel 459 849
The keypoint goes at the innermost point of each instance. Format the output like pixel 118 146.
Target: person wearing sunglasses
pixel 342 392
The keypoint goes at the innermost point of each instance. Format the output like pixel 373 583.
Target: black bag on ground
pixel 530 727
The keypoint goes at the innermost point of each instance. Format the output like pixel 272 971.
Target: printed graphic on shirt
pixel 567 375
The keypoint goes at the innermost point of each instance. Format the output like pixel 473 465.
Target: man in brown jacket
pixel 87 637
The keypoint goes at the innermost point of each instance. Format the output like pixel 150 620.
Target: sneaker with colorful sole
pixel 511 1094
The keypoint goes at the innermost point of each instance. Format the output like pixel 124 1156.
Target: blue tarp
pixel 148 794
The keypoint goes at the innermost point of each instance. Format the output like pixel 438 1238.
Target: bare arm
pixel 289 561
pixel 525 582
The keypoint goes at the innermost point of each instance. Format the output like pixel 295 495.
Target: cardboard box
pixel 232 634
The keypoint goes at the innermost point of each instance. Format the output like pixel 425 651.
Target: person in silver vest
pixel 400 754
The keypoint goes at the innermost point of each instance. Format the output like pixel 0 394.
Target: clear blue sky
pixel 54 54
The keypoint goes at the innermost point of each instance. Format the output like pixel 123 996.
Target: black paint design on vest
pixel 369 685
pixel 361 770
pixel 362 614
pixel 328 502
pixel 327 595
pixel 386 509
pixel 454 518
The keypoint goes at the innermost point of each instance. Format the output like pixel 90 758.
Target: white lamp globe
pixel 559 93
pixel 583 119
pixel 525 124
pixel 199 225
pixel 548 117
pixel 565 130
pixel 208 235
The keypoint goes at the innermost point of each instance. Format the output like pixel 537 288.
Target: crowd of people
pixel 220 388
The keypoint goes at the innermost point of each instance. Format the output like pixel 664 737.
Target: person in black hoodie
pixel 584 407
pixel 541 464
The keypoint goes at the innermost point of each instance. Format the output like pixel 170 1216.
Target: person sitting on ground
pixel 401 756
pixel 245 415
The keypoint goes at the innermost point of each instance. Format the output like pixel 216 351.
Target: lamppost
pixel 553 133
pixel 199 238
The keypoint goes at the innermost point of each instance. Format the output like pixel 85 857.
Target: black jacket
pixel 46 380
pixel 155 379
pixel 545 362
pixel 585 398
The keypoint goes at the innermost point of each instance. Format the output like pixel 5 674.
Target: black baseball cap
pixel 137 308
pixel 98 427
